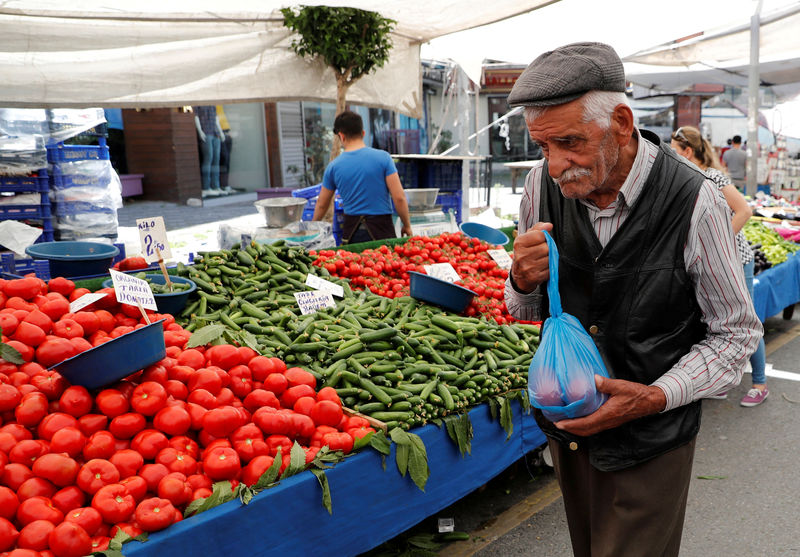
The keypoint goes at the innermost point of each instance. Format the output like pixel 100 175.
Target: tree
pixel 351 42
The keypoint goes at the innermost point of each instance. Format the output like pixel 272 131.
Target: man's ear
pixel 622 124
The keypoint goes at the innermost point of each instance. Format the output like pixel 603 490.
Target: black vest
pixel 636 294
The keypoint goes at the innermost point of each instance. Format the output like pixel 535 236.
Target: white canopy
pixel 81 53
pixel 723 57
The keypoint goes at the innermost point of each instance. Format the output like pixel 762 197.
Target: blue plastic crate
pixel 452 201
pixel 69 208
pixel 22 266
pixel 23 212
pixel 408 171
pixel 310 192
pixel 59 181
pixel 60 153
pixel 25 183
pixel 445 175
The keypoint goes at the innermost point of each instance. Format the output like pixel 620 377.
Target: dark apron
pixel 365 228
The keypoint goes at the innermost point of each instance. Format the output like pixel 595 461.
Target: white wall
pixel 249 170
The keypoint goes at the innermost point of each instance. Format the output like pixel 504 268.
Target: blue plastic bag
pixel 561 376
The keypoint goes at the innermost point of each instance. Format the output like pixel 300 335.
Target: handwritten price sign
pixel 153 234
pixel 132 290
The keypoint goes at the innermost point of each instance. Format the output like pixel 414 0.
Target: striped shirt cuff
pixel 678 388
pixel 526 307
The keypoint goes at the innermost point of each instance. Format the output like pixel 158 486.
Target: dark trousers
pixel 635 512
pixel 366 228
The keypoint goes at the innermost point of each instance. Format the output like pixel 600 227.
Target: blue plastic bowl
pixel 166 303
pixel 75 259
pixel 485 233
pixel 111 361
pixel 440 292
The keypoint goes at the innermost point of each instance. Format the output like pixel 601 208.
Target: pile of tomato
pixel 77 466
pixel 385 270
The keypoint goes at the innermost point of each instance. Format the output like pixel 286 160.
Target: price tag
pixel 153 234
pixel 313 300
pixel 501 257
pixel 446 525
pixel 132 290
pixel 323 285
pixel 442 271
pixel 84 301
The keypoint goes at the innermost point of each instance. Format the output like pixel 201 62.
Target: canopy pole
pixel 753 105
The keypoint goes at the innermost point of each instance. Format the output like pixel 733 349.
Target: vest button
pixel 573 446
pixel 593 329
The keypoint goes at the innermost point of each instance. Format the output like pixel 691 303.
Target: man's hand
pixel 626 401
pixel 530 267
pixel 406 231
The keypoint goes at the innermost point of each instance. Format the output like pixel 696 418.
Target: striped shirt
pixel 742 245
pixel 733 330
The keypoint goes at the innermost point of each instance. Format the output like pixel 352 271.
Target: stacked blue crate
pixel 451 201
pixel 69 213
pixel 40 212
pixel 444 175
pixel 311 193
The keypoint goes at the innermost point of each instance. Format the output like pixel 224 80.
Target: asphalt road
pixel 742 499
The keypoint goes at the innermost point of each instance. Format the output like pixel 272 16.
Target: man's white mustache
pixel 572 174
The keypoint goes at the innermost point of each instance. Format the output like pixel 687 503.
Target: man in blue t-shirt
pixel 367 182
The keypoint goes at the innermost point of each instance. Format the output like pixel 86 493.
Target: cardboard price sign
pixel 84 301
pixel 132 290
pixel 442 271
pixel 153 236
pixel 501 257
pixel 323 285
pixel 312 301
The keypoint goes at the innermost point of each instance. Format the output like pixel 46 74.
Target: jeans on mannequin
pixel 209 166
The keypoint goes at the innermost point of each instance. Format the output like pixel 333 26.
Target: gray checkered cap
pixel 568 72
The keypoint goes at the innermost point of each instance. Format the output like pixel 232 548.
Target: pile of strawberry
pixel 77 466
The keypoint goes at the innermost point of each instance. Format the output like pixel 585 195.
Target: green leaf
pixel 506 417
pixel 297 461
pixel 380 443
pixel 424 541
pixel 464 432
pixel 712 477
pixel 418 461
pixel 493 408
pixel 326 489
pixel 363 441
pixel 221 492
pixel 401 456
pixel 270 475
pixel 249 339
pixel 245 494
pixel 205 335
pixel 11 354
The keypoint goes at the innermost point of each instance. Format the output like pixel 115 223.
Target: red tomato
pixel 149 442
pixel 8 502
pixel 137 486
pixel 326 412
pixel 69 540
pixel 59 469
pixel 225 356
pixel 221 463
pixel 256 468
pixel 28 333
pixel 90 424
pixel 290 396
pixel 192 357
pixel 101 444
pixel 87 518
pixel 75 401
pixel 68 498
pixel 35 535
pixel 51 383
pixel 222 421
pixel 67 328
pixel 54 422
pixel 206 379
pixel 148 398
pixel 152 474
pixel 114 502
pixel 31 409
pixel 33 487
pixel 299 376
pixel 175 488
pixel 111 402
pixel 127 462
pixel 186 445
pixel 155 514
pixel 9 397
pixel 329 393
pixel 125 426
pixel 97 473
pixel 38 508
pixel 173 420
pixel 177 461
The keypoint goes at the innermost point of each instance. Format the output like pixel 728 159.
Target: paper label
pixel 442 271
pixel 313 300
pixel 501 257
pixel 323 285
pixel 84 301
pixel 153 234
pixel 446 525
pixel 132 290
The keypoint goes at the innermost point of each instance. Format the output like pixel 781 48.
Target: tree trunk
pixel 341 93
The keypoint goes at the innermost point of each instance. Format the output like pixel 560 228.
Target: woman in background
pixel 690 144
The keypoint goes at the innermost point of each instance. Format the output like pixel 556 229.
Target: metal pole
pixel 752 105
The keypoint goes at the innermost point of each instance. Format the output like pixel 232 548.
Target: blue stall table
pixel 777 288
pixel 370 504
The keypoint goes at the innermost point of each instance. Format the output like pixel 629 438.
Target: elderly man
pixel 648 265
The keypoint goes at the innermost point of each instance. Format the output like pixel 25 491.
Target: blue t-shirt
pixel 360 178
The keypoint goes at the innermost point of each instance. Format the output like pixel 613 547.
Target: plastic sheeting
pixel 156 53
pixel 777 288
pixel 370 504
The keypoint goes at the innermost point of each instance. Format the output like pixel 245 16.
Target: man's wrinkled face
pixel 580 155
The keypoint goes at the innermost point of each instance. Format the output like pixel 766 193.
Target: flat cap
pixel 566 73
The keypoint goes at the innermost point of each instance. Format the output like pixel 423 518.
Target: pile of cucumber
pixel 398 360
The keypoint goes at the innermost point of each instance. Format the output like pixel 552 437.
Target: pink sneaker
pixel 754 397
